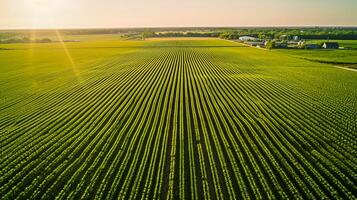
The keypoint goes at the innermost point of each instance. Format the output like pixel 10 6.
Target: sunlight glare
pixel 69 56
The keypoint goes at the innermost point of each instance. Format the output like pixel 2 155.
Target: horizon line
pixel 172 27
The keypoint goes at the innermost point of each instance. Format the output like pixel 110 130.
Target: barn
pixel 330 45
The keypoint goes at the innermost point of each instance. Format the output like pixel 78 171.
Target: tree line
pixel 333 33
pixel 25 40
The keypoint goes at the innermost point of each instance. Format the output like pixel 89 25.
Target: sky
pixel 174 13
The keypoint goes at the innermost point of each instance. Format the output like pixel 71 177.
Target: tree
pixel 145 35
pixel 270 44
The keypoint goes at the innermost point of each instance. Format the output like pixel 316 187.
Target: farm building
pixel 284 37
pixel 292 42
pixel 301 42
pixel 255 43
pixel 281 45
pixel 312 46
pixel 330 45
pixel 247 38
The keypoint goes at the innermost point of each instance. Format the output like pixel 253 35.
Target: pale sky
pixel 173 13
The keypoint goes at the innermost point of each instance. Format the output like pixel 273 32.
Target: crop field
pixel 328 56
pixel 173 119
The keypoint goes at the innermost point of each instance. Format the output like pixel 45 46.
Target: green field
pixel 344 57
pixel 328 56
pixel 342 43
pixel 170 119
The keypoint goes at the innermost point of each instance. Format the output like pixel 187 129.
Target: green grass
pixel 200 119
pixel 328 56
pixel 342 43
pixel 347 58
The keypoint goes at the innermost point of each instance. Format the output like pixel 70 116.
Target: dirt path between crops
pixel 346 68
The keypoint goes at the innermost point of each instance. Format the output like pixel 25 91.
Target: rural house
pixel 301 42
pixel 284 37
pixel 330 45
pixel 247 38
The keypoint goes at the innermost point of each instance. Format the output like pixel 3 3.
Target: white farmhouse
pixel 247 38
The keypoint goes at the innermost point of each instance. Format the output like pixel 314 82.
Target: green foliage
pixel 328 56
pixel 25 40
pixel 303 33
pixel 173 119
pixel 229 36
pixel 186 34
pixel 270 44
pixel 145 35
pixel 267 33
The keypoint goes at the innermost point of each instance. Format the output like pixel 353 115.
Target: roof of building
pixel 312 45
pixel 247 38
pixel 331 44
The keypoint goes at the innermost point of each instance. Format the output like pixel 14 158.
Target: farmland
pixel 337 57
pixel 169 119
pixel 326 56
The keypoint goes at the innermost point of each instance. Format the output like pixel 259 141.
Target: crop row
pixel 176 123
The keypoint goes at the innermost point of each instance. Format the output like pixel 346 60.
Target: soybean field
pixel 174 119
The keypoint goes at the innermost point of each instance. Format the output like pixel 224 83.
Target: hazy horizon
pixel 65 14
pixel 178 27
